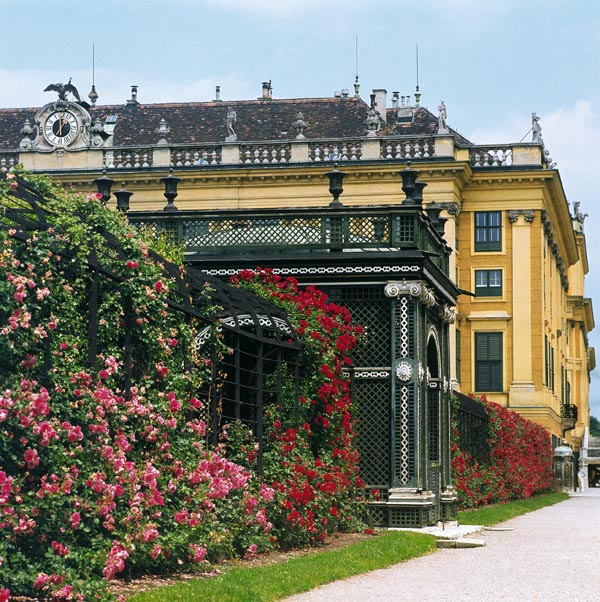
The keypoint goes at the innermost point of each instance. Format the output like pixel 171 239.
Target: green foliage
pixel 103 467
pixel 594 426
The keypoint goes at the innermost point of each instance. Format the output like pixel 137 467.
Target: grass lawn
pixel 270 582
pixel 498 513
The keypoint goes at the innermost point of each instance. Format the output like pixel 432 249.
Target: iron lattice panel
pixel 404 229
pixel 371 229
pixel 370 309
pixel 434 481
pixel 410 517
pixel 377 516
pixel 433 411
pixel 404 436
pixel 371 400
pixel 244 232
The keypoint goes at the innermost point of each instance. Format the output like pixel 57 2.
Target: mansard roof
pixel 262 119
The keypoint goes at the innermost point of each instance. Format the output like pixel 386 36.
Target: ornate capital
pixel 416 289
pixel 528 214
pixel 448 314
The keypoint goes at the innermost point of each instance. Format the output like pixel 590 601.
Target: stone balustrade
pixel 265 153
pixel 323 150
pixel 8 160
pixel 491 156
pixel 400 148
pixel 128 158
pixel 411 148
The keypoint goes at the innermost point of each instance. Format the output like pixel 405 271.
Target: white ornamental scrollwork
pixel 421 372
pixel 404 371
pixel 446 384
pixel 416 289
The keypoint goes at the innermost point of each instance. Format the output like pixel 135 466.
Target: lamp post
pixel 336 180
pixel 170 193
pixel 104 184
pixel 123 198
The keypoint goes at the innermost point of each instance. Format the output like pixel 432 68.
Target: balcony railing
pixel 305 230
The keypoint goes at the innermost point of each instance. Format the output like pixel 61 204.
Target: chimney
pixel 217 93
pixel 133 99
pixel 267 90
pixel 395 100
pixel 381 101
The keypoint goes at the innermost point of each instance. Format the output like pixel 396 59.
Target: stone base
pixel 404 508
pixel 449 505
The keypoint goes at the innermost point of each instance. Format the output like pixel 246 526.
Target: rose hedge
pixel 518 465
pixel 311 461
pixel 103 475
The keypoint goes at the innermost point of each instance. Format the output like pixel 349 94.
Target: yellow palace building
pixel 520 327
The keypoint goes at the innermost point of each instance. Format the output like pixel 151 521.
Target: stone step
pixel 461 542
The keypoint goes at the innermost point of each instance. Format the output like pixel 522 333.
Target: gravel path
pixel 552 554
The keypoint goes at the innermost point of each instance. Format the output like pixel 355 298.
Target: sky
pixel 493 63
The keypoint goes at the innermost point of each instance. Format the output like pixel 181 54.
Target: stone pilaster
pixel 522 387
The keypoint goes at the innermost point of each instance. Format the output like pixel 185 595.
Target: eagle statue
pixel 62 90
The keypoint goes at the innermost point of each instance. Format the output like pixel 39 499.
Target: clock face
pixel 61 128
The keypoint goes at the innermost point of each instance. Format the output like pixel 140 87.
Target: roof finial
pixel 93 95
pixel 356 84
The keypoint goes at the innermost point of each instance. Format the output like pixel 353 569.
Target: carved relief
pixel 528 215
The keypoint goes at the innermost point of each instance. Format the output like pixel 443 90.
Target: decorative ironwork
pixel 372 374
pixel 211 233
pixel 473 423
pixel 404 371
pixel 328 270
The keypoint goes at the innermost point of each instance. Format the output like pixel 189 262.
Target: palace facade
pixel 518 251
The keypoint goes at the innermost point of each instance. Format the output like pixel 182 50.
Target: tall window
pixel 488 231
pixel 488 283
pixel 458 355
pixel 549 364
pixel 488 361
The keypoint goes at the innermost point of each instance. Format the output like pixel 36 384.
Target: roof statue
pixel 299 125
pixel 443 115
pixel 62 90
pixel 372 122
pixel 578 216
pixel 231 119
pixel 536 129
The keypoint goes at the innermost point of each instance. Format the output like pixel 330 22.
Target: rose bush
pixel 104 470
pixel 518 464
pixel 311 460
